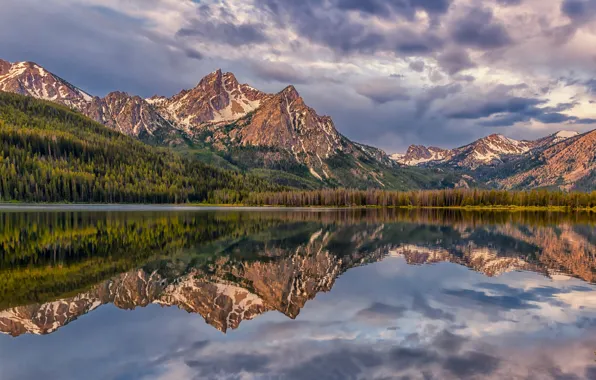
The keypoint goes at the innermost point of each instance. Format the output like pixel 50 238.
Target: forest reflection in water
pixel 233 265
pixel 348 293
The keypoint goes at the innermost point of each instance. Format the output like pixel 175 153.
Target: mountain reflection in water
pixel 234 266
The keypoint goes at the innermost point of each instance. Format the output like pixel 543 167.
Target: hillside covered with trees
pixel 49 153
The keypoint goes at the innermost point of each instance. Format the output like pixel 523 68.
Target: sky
pixel 389 72
pixel 380 321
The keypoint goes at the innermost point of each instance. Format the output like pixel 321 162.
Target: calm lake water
pixel 165 293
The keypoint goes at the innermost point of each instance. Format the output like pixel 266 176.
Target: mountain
pixel 235 126
pixel 127 114
pixel 28 78
pixel 218 98
pixel 491 150
pixel 419 154
pixel 563 160
pixel 569 164
pixel 132 116
pixel 49 153
pixel 278 137
pixel 256 130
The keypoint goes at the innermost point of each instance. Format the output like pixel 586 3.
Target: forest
pixel 49 153
pixel 425 198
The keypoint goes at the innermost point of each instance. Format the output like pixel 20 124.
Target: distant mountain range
pixel 490 150
pixel 565 160
pixel 278 136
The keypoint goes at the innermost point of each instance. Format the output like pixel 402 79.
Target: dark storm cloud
pixel 591 86
pixel 340 364
pixel 579 10
pixel 511 110
pixel 380 312
pixel 390 8
pixel 478 29
pixel 424 101
pixel 509 2
pixel 333 27
pixel 193 53
pixel 509 298
pixel 421 305
pixel 504 302
pixel 417 66
pixel 383 92
pixel 455 60
pixel 224 32
pixel 495 106
pixel 448 342
pixel 279 72
pixel 472 364
pixel 230 364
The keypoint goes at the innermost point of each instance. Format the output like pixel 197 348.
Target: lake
pixel 181 293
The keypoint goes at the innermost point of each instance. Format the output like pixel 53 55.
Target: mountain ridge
pixel 277 135
pixel 488 150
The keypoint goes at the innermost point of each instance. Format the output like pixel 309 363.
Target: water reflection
pixel 526 309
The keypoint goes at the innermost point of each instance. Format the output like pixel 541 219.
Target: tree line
pixel 425 198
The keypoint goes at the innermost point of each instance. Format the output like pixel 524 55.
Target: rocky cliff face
pixel 130 115
pixel 561 165
pixel 488 150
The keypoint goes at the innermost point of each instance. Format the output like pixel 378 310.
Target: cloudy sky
pixel 390 72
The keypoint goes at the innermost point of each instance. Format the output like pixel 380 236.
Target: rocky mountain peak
pixel 130 115
pixel 290 93
pixel 4 66
pixel 418 154
pixel 217 98
pixel 29 78
pixel 212 82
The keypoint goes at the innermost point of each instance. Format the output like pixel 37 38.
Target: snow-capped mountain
pixel 218 98
pixel 28 78
pixel 419 154
pixel 132 116
pixel 283 133
pixel 225 113
pixel 490 150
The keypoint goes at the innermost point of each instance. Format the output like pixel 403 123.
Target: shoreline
pixel 15 206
